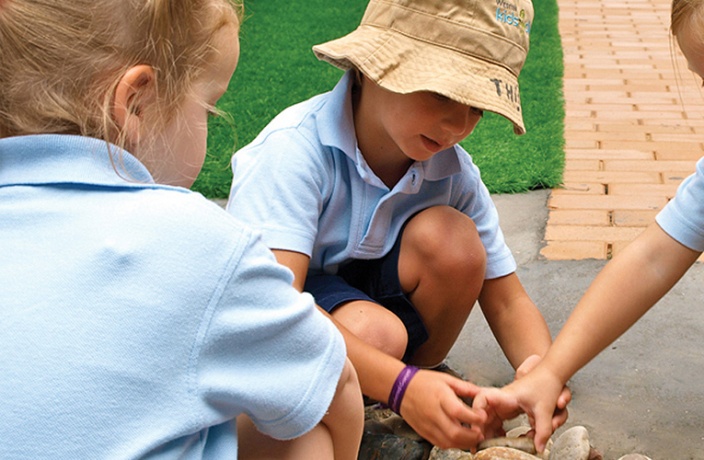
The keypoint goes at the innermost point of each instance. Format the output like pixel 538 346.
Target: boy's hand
pixel 432 406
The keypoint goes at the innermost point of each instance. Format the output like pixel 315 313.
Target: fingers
pixel 543 431
pixel 564 398
pixel 432 405
pixel 502 403
pixel 559 418
pixel 451 423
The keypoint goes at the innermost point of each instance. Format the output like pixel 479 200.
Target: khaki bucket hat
pixel 471 51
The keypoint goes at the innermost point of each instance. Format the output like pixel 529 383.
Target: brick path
pixel 634 125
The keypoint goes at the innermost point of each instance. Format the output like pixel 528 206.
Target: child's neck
pixel 382 155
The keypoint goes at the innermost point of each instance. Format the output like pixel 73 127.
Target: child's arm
pixel 431 405
pixel 622 292
pixel 514 319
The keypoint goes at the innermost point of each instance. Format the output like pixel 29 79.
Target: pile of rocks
pixel 388 436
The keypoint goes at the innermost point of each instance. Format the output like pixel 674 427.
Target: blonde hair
pixel 62 59
pixel 687 14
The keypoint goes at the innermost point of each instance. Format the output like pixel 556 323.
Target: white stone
pixel 573 444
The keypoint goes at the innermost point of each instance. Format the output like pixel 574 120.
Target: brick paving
pixel 634 125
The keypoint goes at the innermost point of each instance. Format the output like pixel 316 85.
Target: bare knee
pixel 375 325
pixel 445 241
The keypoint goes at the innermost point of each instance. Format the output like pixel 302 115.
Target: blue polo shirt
pixel 683 217
pixel 138 320
pixel 304 182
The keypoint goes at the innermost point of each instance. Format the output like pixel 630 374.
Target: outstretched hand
pixel 538 393
pixel 433 407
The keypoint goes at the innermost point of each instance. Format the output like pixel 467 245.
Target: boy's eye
pixel 440 97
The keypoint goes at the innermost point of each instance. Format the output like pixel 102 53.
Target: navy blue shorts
pixel 375 281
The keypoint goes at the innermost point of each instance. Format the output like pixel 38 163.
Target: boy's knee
pixel 374 325
pixel 448 239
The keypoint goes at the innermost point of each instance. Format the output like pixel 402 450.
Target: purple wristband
pixel 399 388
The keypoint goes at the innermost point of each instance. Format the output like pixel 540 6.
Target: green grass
pixel 277 69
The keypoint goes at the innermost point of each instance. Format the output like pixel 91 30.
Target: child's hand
pixel 432 406
pixel 539 394
pixel 560 415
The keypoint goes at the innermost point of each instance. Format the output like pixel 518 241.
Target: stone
pixel 376 427
pixel 518 431
pixel 503 453
pixel 634 457
pixel 595 455
pixel 449 454
pixel 524 444
pixel 377 412
pixel 390 446
pixel 573 444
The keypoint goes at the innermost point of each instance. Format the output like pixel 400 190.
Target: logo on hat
pixel 508 13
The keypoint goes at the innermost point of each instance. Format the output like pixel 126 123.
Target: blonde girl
pixel 137 319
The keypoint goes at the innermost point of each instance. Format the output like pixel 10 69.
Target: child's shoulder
pixel 295 129
pixel 297 115
pixel 176 212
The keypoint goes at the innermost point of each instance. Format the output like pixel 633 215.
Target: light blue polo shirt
pixel 137 320
pixel 683 217
pixel 304 182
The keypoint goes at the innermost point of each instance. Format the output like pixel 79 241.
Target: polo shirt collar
pixel 335 122
pixel 46 159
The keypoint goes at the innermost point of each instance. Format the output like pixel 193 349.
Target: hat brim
pixel 399 64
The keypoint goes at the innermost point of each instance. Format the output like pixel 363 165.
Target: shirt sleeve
pixel 473 198
pixel 278 187
pixel 266 350
pixel 683 217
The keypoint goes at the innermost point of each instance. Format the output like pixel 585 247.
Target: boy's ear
pixel 133 93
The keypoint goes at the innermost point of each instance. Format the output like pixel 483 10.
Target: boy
pixel 365 195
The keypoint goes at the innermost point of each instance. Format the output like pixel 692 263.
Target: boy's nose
pixel 461 120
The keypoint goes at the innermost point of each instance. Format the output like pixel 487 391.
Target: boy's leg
pixel 375 325
pixel 441 266
pixel 351 305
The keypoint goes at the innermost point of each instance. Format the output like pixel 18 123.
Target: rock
pixel 390 446
pixel 518 431
pixel 503 453
pixel 573 444
pixel 449 454
pixel 523 444
pixel 377 412
pixel 376 427
pixel 399 427
pixel 634 457
pixel 595 455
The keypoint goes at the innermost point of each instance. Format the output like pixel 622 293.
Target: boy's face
pixel 420 124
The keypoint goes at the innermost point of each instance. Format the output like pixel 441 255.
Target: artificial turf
pixel 277 69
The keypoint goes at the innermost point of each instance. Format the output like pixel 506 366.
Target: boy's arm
pixel 431 405
pixel 515 321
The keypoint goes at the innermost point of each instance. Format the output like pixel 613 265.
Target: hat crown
pixel 470 51
pixel 496 31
